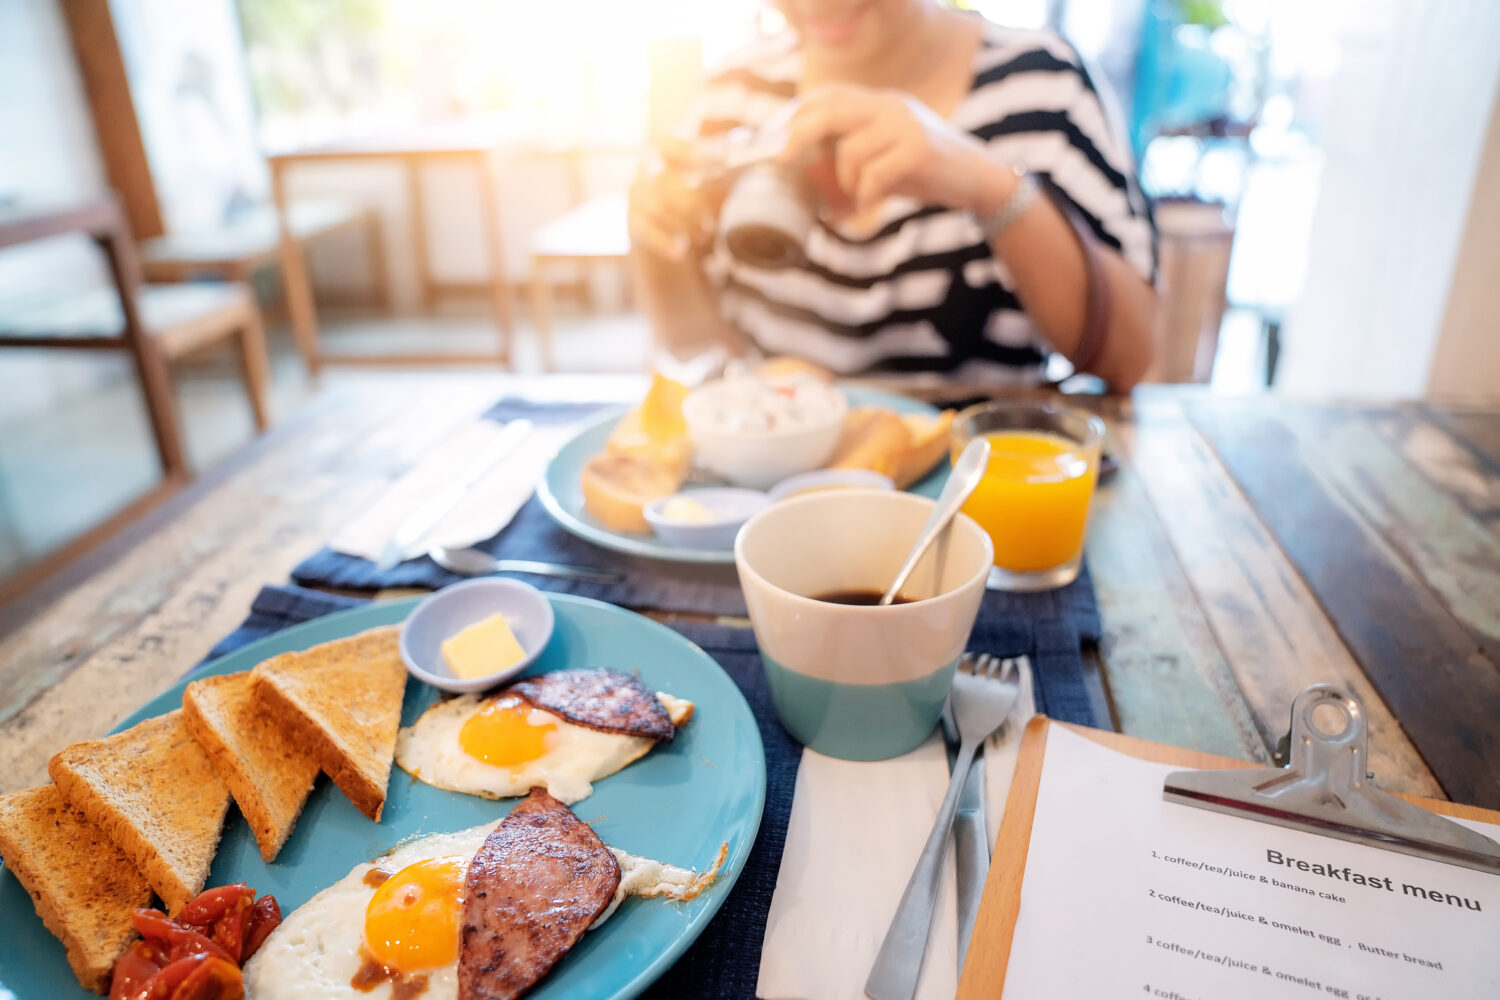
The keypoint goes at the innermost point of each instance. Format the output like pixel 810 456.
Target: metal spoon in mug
pixel 477 562
pixel 966 474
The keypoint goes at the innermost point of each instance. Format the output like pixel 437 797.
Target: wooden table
pixel 473 141
pixel 1246 549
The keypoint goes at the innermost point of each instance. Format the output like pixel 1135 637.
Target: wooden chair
pixel 473 141
pixel 594 233
pixel 1195 240
pixel 155 323
pixel 231 252
pixel 236 252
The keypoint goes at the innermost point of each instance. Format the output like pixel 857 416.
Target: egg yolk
pixel 502 733
pixel 412 920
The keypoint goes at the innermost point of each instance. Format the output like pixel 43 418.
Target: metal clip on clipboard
pixel 1324 790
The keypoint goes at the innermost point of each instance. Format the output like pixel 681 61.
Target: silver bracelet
pixel 1027 189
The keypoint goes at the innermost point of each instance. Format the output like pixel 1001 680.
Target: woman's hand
pixel 886 142
pixel 669 214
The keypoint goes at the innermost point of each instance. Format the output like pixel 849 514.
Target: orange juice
pixel 1034 498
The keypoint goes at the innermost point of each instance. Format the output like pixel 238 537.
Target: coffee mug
pixel 856 681
pixel 767 216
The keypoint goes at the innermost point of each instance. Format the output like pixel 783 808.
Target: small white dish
pixel 725 509
pixel 830 479
pixel 447 612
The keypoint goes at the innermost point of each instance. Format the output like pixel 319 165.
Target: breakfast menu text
pixel 1126 894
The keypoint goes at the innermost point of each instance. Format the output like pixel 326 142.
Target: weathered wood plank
pixel 1448 463
pixel 141 625
pixel 1456 556
pixel 1426 665
pixel 31 667
pixel 1166 677
pixel 131 630
pixel 1479 429
pixel 1271 630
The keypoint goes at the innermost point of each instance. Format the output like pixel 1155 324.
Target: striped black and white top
pixel 919 290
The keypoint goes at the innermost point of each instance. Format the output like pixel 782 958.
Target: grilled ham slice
pixel 541 878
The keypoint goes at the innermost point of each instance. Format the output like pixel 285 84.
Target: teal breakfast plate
pixel 677 804
pixel 562 495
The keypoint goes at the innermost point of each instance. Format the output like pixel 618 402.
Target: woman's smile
pixel 833 27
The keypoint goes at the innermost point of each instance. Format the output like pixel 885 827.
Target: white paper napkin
pixel 852 840
pixel 483 511
pixel 853 837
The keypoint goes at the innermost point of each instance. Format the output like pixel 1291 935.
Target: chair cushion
pixel 95 312
pixel 597 228
pixel 252 236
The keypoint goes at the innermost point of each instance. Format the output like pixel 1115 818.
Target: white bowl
pixel 727 508
pixel 445 613
pixel 753 457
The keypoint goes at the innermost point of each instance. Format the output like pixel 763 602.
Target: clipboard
pixel 983 976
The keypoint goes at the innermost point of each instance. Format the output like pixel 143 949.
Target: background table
pixel 1247 548
pixel 477 142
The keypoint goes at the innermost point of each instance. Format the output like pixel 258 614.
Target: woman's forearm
pixel 1041 252
pixel 679 305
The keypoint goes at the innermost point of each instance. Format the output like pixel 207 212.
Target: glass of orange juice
pixel 1034 498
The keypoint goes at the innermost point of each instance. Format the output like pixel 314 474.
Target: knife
pixel 971 850
pixel 970 842
pixel 421 520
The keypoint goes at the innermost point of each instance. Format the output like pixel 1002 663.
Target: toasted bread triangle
pixel 342 700
pixel 268 772
pixel 904 446
pixel 873 438
pixel 926 445
pixel 154 792
pixel 83 886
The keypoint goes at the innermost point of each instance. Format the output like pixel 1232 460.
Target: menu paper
pixel 1126 894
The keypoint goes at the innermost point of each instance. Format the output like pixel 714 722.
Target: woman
pixel 942 128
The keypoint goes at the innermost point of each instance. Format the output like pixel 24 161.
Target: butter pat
pixel 485 647
pixel 687 510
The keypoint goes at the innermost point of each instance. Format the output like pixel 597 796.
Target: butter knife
pixel 421 520
pixel 971 848
pixel 971 851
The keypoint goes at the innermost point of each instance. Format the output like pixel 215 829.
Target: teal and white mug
pixel 851 681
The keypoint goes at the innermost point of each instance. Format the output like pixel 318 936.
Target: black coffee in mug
pixel 867 598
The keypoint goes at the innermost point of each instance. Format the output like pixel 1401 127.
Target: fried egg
pixel 502 746
pixel 394 923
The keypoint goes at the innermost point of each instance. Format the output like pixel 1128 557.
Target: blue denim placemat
pixel 725 960
pixel 690 588
pixel 533 534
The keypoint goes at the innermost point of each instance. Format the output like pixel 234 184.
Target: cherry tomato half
pixel 209 906
pixel 135 969
pixel 265 916
pixel 199 977
pixel 181 941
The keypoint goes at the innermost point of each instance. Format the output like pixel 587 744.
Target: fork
pixel 984 690
pixel 477 562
